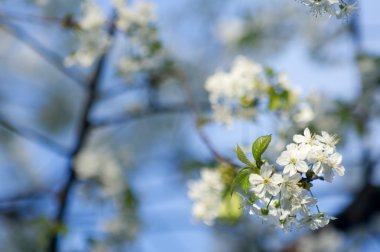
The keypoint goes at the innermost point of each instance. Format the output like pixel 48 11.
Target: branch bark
pixel 83 135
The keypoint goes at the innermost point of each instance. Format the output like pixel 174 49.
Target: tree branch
pixel 83 135
pixel 54 59
pixel 197 123
pixel 30 18
pixel 157 110
pixel 33 136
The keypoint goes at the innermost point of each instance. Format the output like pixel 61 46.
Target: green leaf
pixel 242 157
pixel 259 147
pixel 245 183
pixel 243 173
pixel 230 210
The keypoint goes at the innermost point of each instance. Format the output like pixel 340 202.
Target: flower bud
pixel 264 211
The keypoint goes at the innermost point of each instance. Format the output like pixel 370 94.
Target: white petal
pixel 302 166
pixel 255 179
pixel 295 178
pixel 328 174
pixel 276 178
pixel 273 189
pixel 299 139
pixel 317 168
pixel 283 159
pixel 290 169
pixel 307 133
pixel 339 170
pixel 266 171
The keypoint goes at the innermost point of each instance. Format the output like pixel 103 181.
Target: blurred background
pixel 133 141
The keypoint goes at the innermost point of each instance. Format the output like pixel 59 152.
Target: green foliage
pixel 230 210
pixel 49 228
pixel 243 158
pixel 259 147
pixel 245 184
pixel 242 175
pixel 280 98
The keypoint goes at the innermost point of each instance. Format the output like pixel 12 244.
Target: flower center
pixel 266 181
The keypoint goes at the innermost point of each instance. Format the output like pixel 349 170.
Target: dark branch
pixel 84 129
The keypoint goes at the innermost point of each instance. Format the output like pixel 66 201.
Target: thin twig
pixel 125 118
pixel 32 136
pixel 50 56
pixel 197 123
pixel 29 18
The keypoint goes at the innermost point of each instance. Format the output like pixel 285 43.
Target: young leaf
pixel 242 157
pixel 245 183
pixel 259 147
pixel 238 179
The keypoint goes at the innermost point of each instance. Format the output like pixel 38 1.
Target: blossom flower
pixel 307 138
pixel 302 202
pixel 207 195
pixel 282 198
pixel 92 40
pixel 315 221
pixel 289 186
pixel 334 166
pixel 102 168
pixel 335 8
pixel 327 139
pixel 93 16
pixel 294 160
pixel 267 182
pixel 304 115
pixel 137 14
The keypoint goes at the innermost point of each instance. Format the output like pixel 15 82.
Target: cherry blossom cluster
pixel 337 8
pixel 283 198
pixel 207 195
pixel 132 19
pixel 278 194
pixel 245 88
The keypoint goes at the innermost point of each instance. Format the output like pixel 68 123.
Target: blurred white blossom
pixel 327 240
pixel 207 195
pixel 102 168
pixel 335 8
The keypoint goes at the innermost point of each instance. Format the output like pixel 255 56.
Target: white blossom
pixel 283 197
pixel 207 195
pixel 328 240
pixel 102 168
pixel 335 8
pixel 294 160
pixel 228 89
pixel 92 17
pixel 92 40
pixel 304 115
pixel 267 182
pixel 137 14
pixel 315 221
pixel 289 186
